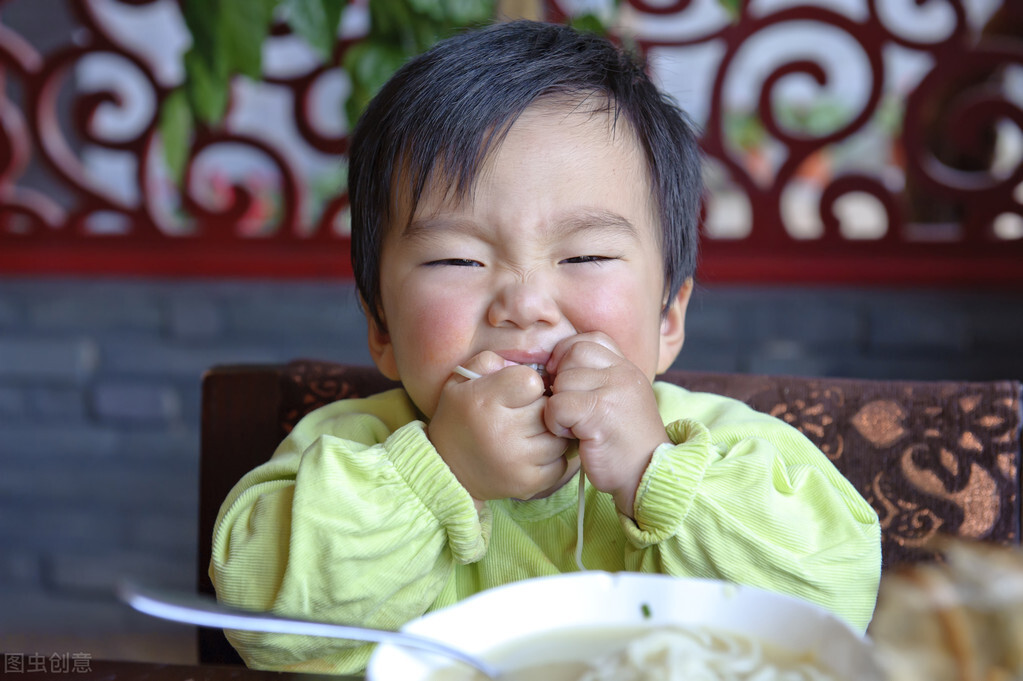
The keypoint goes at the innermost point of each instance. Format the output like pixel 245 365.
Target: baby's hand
pixel 606 402
pixel 490 431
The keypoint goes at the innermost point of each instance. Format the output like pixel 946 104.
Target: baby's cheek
pixel 633 325
pixel 602 309
pixel 442 334
pixel 439 341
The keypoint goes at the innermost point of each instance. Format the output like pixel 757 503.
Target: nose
pixel 524 303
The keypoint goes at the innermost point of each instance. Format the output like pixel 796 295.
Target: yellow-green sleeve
pixel 745 497
pixel 349 523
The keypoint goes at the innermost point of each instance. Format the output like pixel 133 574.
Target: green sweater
pixel 356 519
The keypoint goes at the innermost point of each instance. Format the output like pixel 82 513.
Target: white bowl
pixel 490 620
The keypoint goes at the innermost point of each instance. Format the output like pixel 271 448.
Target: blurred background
pixel 172 181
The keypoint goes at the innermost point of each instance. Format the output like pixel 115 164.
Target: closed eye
pixel 579 259
pixel 454 262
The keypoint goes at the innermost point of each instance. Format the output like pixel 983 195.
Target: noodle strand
pixel 579 520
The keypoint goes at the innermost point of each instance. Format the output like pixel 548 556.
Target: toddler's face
pixel 559 237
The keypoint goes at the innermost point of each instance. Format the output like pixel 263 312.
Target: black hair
pixel 450 106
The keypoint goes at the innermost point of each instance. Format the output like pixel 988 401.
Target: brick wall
pixel 866 333
pixel 99 404
pixel 99 414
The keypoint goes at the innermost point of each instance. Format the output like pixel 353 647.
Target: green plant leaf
pixel 227 38
pixel 176 126
pixel 390 21
pixel 202 17
pixel 369 65
pixel 588 23
pixel 207 90
pixel 206 67
pixel 378 62
pixel 242 29
pixel 429 8
pixel 316 22
pixel 733 7
pixel 465 13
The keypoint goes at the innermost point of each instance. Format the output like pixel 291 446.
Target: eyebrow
pixel 423 229
pixel 583 220
pixel 597 219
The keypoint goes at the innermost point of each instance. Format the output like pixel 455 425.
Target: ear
pixel 381 349
pixel 673 327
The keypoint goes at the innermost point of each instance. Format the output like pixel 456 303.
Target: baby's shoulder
pixel 363 419
pixel 710 409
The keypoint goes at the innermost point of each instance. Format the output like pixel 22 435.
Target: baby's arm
pixel 744 497
pixel 342 531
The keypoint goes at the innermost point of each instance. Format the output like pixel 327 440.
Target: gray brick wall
pixel 99 415
pixel 99 403
pixel 866 333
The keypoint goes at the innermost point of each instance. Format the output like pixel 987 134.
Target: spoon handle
pixel 207 612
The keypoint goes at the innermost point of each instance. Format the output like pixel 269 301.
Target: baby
pixel 524 198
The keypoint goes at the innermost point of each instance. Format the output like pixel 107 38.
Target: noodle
pixel 468 373
pixel 672 653
pixel 678 654
pixel 579 521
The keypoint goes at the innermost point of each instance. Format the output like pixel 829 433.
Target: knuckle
pixel 480 399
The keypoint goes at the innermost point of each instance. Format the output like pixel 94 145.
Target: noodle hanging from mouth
pixel 579 520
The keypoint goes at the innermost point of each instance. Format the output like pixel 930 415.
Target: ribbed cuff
pixel 669 484
pixel 418 463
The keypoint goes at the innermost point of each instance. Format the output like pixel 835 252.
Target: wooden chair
pixel 931 457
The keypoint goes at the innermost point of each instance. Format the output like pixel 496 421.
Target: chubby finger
pixel 583 378
pixel 591 349
pixel 530 417
pixel 565 412
pixel 548 462
pixel 517 387
pixel 491 379
pixel 546 448
pixel 482 364
pixel 476 367
pixel 548 475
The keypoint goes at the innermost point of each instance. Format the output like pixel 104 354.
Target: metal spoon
pixel 207 612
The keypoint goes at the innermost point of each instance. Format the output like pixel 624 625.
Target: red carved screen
pixel 847 141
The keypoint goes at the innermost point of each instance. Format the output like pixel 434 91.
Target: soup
pixel 641 653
